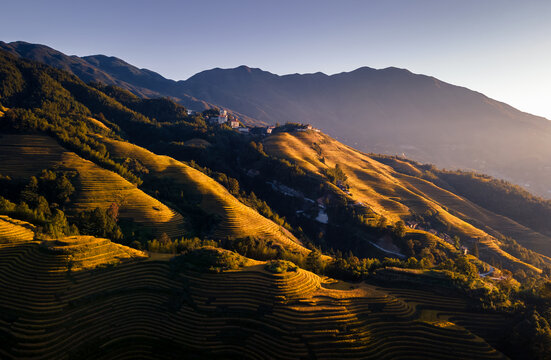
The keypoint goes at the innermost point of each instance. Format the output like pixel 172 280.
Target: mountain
pixel 130 229
pixel 394 111
pixel 390 111
pixel 400 190
pixel 109 70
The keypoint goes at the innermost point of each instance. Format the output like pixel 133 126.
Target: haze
pixel 500 48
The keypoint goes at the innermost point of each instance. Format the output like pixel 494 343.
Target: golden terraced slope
pixel 143 309
pixel 238 220
pixel 12 230
pixel 394 194
pixel 22 156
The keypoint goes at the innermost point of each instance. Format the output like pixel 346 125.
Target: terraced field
pixel 396 195
pixel 88 252
pixel 142 309
pixel 238 220
pixel 22 156
pixel 13 231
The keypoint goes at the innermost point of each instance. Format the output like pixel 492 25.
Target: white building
pixel 222 118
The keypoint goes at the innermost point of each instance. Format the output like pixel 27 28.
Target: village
pixel 223 118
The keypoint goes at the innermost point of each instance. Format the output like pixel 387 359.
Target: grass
pixel 394 194
pixel 22 156
pixel 237 219
pixel 98 123
pixel 12 230
pixel 88 252
pixel 134 309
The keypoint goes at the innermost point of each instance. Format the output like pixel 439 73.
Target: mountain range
pixel 132 229
pixel 391 111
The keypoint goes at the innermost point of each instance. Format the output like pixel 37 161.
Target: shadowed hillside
pixel 238 220
pixel 154 309
pixel 111 71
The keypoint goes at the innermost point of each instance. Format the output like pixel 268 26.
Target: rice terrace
pixel 304 206
pixel 233 313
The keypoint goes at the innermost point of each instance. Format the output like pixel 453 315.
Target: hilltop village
pixel 223 118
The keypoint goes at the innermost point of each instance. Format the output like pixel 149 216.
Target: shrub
pixel 280 266
pixel 208 259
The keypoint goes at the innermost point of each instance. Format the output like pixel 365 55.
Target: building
pixel 222 118
pixel 243 130
pixel 234 123
pixel 304 127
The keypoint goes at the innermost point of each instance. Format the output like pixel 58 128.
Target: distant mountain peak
pixel 244 68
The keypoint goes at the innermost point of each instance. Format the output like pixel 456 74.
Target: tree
pixel 164 239
pixel 98 223
pixel 233 186
pixel 113 211
pixel 410 247
pixel 399 230
pixel 336 175
pixel 425 263
pixel 30 192
pixel 464 266
pixel 447 264
pixel 457 242
pixel 63 189
pixel 42 207
pixel 314 262
pixel 58 226
pixel 412 263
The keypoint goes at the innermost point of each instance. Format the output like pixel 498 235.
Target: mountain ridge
pixel 389 111
pixel 237 279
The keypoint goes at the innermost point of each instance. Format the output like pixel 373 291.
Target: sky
pixel 501 48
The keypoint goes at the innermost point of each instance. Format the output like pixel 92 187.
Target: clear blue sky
pixel 501 48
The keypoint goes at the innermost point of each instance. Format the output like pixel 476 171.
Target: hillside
pixel 390 111
pixel 23 156
pixel 130 228
pixel 237 220
pixel 108 70
pixel 394 111
pixel 398 196
pixel 14 231
pixel 112 71
pixel 149 309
